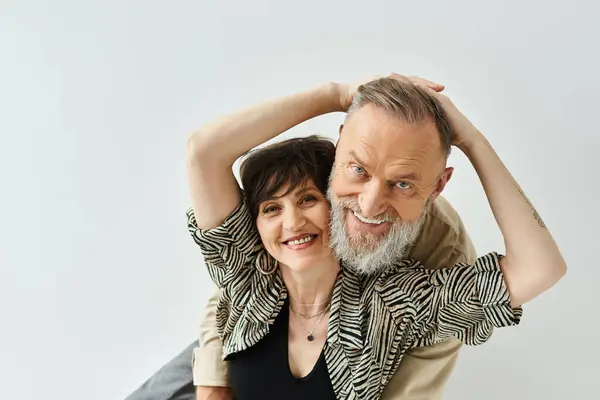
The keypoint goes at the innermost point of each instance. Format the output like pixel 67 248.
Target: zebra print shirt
pixel 373 319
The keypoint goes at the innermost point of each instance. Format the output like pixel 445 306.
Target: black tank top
pixel 262 372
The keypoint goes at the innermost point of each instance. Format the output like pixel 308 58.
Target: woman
pixel 294 322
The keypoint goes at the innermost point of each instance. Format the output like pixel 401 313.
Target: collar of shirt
pixel 345 317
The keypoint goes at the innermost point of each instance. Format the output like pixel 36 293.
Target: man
pixel 384 192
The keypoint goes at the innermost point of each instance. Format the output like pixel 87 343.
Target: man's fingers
pixel 438 87
pixel 430 90
pixel 417 80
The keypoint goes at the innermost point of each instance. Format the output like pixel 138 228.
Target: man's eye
pixel 358 170
pixel 403 185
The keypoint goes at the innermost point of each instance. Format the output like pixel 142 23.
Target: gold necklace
pixel 310 336
pixel 306 316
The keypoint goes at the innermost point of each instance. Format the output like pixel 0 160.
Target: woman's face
pixel 295 228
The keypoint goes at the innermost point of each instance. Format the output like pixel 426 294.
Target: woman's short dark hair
pixel 291 162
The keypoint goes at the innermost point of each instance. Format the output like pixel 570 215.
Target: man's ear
pixel 444 178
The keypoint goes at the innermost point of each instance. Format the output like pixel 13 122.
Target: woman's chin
pixel 301 264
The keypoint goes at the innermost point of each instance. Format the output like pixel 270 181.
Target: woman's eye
pixel 403 185
pixel 309 199
pixel 269 209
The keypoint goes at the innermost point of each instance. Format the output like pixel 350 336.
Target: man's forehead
pixel 402 144
pixel 373 137
pixel 371 125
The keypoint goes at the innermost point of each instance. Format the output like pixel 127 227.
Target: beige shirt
pixel 424 371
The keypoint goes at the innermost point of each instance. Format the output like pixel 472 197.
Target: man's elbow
pixel 525 285
pixel 556 270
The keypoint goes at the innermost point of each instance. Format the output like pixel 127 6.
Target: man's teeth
pixel 301 241
pixel 367 220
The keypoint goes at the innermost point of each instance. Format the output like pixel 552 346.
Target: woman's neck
pixel 310 291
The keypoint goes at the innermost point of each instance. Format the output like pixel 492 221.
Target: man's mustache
pixel 352 204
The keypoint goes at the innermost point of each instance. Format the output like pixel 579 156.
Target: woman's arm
pixel 533 262
pixel 212 150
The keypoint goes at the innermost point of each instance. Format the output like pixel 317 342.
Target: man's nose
pixel 293 220
pixel 372 200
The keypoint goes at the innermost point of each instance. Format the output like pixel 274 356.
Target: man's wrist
pixel 475 140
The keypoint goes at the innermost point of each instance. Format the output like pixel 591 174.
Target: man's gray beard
pixel 366 253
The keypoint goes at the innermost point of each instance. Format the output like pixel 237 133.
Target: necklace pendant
pixel 310 337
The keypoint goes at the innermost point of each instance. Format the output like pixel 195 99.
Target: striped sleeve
pixel 466 302
pixel 228 248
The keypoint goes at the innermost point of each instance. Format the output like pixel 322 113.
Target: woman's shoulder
pixel 245 312
pixel 238 229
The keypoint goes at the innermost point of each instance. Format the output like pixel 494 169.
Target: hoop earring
pixel 265 264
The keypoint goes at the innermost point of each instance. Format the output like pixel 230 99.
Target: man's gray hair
pixel 400 98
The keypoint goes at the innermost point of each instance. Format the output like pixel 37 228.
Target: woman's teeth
pixel 301 241
pixel 367 220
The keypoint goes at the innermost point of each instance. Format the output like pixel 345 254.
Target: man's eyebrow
pixel 353 154
pixel 411 176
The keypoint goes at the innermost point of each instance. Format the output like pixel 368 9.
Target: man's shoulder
pixel 443 214
pixel 444 240
pixel 442 225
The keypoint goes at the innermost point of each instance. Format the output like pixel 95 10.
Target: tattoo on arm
pixel 536 215
pixel 538 218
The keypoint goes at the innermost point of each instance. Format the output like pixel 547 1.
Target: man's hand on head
pixel 348 90
pixel 213 393
pixel 463 131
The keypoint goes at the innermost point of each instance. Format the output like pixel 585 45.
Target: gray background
pixel 101 284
